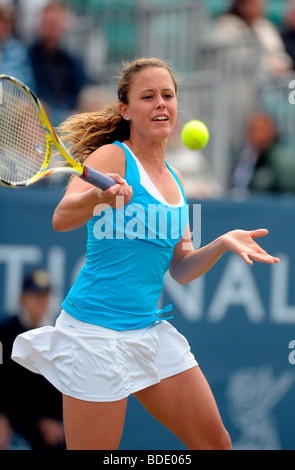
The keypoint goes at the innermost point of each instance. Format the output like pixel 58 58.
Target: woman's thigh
pixel 91 425
pixel 184 403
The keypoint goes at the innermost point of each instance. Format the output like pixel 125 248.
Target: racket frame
pixel 94 177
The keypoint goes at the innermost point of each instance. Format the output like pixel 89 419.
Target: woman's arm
pixel 187 264
pixel 81 198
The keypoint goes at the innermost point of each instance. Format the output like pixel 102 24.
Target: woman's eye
pixel 169 94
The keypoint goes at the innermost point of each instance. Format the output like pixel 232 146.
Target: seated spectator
pixel 14 57
pixel 60 76
pixel 30 407
pixel 245 20
pixel 94 97
pixel 264 164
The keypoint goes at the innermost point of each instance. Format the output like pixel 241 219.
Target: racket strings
pixel 22 136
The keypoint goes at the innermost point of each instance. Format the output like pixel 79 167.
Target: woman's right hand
pixel 82 200
pixel 115 196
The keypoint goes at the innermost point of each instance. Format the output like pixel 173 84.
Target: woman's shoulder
pixel 108 158
pixel 107 150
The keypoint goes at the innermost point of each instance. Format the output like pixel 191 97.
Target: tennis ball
pixel 195 135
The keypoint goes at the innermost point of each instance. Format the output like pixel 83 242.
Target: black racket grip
pixel 97 179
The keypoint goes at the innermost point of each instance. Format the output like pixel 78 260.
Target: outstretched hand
pixel 242 243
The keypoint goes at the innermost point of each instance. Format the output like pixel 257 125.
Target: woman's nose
pixel 160 103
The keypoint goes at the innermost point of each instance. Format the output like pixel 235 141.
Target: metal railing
pixel 171 32
pixel 222 83
pixel 202 95
pixel 123 31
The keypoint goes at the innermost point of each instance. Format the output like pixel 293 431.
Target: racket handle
pixel 97 179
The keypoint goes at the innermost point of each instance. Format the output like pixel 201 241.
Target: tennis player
pixel 110 340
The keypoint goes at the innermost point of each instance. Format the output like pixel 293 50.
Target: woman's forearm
pixel 78 205
pixel 75 210
pixel 197 262
pixel 187 266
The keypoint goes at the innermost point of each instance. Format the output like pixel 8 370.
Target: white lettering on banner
pixel 14 257
pixel 56 264
pixel 189 299
pixel 252 394
pixel 280 311
pixel 237 287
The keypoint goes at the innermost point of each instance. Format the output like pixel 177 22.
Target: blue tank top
pixel 128 253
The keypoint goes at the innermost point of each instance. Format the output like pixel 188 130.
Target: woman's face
pixel 251 10
pixel 152 104
pixel 261 131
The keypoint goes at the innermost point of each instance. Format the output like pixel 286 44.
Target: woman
pixel 245 22
pixel 109 341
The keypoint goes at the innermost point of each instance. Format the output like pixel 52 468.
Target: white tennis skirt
pixel 93 363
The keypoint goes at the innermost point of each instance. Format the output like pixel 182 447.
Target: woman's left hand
pixel 242 243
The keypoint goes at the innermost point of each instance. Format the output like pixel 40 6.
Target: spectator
pixel 60 76
pixel 245 20
pixel 14 57
pixel 288 31
pixel 26 16
pixel 264 163
pixel 94 97
pixel 30 407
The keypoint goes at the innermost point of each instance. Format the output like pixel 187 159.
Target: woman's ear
pixel 123 111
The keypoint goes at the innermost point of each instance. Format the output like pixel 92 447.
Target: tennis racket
pixel 26 138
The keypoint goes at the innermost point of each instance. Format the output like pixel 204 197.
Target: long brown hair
pixel 84 133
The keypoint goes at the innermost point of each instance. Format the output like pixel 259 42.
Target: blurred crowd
pixel 33 49
pixel 40 60
pixel 263 161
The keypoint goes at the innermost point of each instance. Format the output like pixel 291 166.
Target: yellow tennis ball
pixel 195 135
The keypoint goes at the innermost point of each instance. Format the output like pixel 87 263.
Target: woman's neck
pixel 149 153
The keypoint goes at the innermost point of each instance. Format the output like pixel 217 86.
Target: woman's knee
pixel 223 441
pixel 217 440
pixel 220 440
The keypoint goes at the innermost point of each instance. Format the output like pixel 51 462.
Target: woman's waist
pixel 114 318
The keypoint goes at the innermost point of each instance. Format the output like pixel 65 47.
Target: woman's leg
pixel 93 426
pixel 185 404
